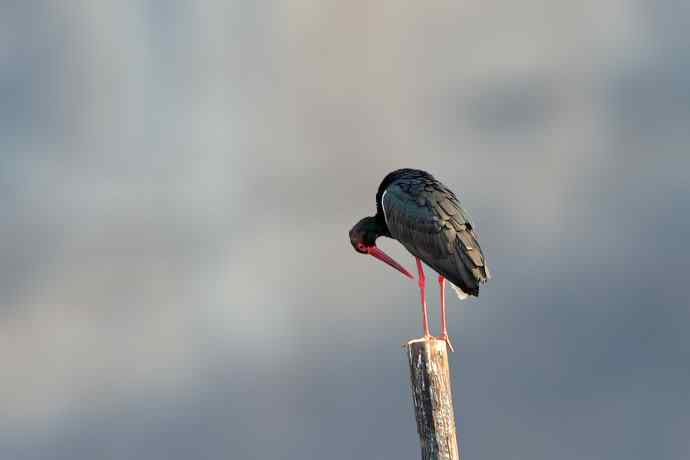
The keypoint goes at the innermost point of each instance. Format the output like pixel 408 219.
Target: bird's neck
pixel 380 224
pixel 371 228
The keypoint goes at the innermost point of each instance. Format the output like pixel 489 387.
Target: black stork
pixel 427 218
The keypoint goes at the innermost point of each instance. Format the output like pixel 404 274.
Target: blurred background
pixel 178 180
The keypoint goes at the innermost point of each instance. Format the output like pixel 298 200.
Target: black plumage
pixel 428 219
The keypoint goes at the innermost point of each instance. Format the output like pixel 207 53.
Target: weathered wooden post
pixel 433 399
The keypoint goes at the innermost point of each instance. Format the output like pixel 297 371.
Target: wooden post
pixel 433 399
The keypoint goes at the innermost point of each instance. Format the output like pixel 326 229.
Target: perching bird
pixel 427 218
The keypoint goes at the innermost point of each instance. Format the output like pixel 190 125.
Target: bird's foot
pixel 446 339
pixel 425 337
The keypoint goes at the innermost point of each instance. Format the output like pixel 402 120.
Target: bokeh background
pixel 178 180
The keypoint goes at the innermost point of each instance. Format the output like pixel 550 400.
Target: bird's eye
pixel 361 247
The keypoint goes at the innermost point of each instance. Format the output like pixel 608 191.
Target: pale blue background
pixel 178 180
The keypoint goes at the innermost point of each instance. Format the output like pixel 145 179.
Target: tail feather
pixel 462 295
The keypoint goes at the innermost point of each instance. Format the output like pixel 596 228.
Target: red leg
pixel 425 310
pixel 444 329
pixel 442 284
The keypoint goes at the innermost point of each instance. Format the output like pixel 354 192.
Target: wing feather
pixel 429 221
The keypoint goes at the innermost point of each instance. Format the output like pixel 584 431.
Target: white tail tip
pixel 461 295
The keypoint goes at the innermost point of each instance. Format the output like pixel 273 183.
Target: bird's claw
pixel 423 338
pixel 446 339
pixel 429 338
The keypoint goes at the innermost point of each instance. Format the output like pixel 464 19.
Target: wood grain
pixel 433 400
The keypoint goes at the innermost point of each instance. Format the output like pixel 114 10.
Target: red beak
pixel 383 257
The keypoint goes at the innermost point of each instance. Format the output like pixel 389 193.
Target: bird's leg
pixel 444 329
pixel 425 310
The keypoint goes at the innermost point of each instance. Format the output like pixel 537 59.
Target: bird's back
pixel 428 219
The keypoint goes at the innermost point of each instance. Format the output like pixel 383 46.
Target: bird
pixel 427 218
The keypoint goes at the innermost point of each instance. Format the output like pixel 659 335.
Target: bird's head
pixel 363 235
pixel 363 239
